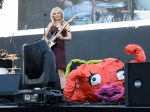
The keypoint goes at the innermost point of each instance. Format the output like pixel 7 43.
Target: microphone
pixel 11 38
pixel 45 12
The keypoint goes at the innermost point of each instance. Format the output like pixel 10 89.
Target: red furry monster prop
pixel 100 82
pixel 137 51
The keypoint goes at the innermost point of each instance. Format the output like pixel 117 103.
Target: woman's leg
pixel 62 78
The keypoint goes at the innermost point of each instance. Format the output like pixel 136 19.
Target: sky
pixel 8 17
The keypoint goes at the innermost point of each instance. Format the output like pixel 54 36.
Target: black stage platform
pixel 72 108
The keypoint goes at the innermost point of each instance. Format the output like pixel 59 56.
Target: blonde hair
pixel 52 12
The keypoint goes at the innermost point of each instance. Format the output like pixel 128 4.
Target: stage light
pixel 39 76
pixel 39 69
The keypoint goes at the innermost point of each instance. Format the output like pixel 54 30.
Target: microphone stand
pixel 14 45
pixel 44 23
pixel 16 51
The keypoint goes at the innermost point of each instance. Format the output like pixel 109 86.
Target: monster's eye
pixel 120 75
pixel 95 79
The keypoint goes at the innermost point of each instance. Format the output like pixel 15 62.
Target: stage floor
pixel 63 107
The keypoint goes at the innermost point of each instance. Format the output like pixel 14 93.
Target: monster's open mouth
pixel 109 95
pixel 110 92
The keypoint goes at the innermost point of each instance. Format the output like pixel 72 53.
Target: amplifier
pixel 137 84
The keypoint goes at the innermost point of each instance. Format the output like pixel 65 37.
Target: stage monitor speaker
pixel 9 84
pixel 137 84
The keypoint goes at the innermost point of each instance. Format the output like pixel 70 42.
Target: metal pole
pixel 132 9
pixel 93 11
